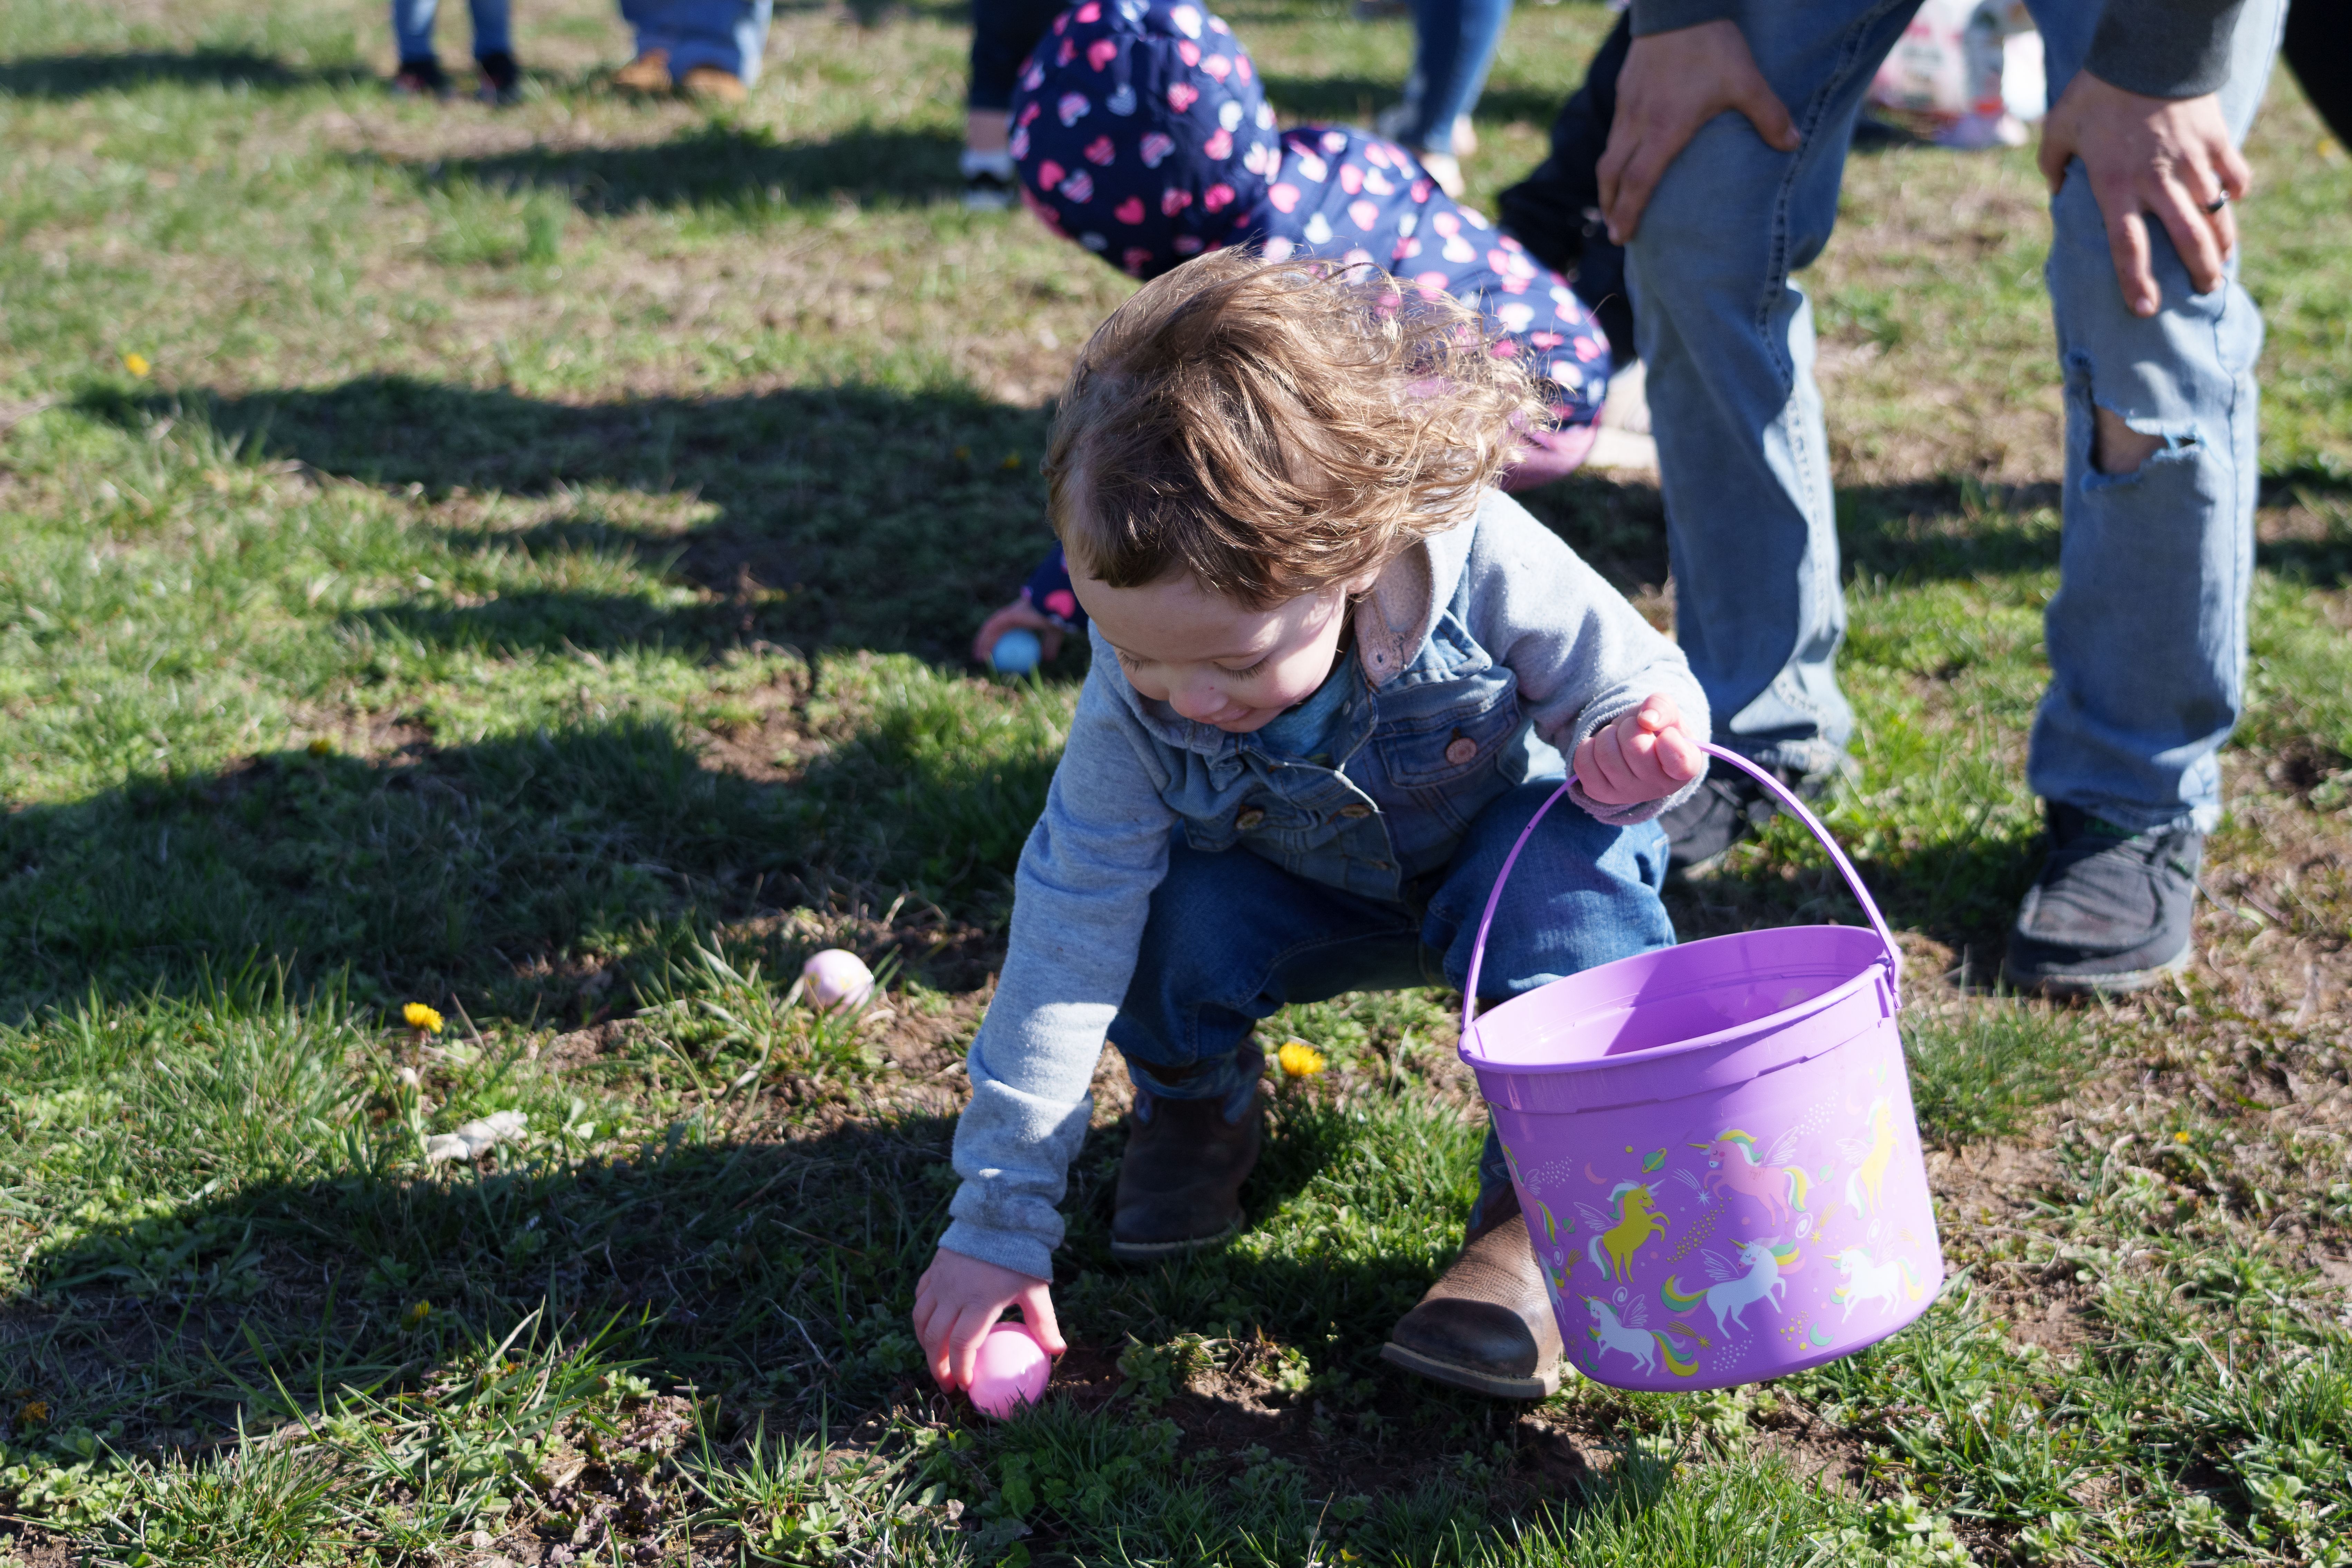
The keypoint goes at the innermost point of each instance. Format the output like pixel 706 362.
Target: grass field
pixel 517 562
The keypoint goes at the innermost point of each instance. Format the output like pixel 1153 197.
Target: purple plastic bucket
pixel 1714 1146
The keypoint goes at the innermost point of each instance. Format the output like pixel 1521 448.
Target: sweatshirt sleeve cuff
pixel 2163 48
pixel 1023 1254
pixel 1590 722
pixel 1673 16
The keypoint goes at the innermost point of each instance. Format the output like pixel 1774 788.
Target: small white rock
pixel 475 1138
pixel 838 978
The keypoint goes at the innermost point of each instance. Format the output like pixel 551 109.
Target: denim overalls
pixel 1291 880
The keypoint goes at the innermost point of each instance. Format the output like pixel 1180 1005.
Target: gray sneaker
pixel 2110 911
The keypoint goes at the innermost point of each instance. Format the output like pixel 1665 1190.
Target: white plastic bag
pixel 1966 73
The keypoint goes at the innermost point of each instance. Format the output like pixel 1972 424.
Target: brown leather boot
pixel 649 72
pixel 1487 1324
pixel 1179 1184
pixel 715 84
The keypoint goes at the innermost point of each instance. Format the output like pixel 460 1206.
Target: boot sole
pixel 1151 1252
pixel 2074 988
pixel 1498 1385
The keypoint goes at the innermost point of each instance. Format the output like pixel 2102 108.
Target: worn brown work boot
pixel 649 72
pixel 1486 1325
pixel 714 85
pixel 1180 1186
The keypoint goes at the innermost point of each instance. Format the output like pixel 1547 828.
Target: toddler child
pixel 1141 130
pixel 1334 674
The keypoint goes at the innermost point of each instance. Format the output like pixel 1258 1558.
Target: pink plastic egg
pixel 837 979
pixel 1012 1371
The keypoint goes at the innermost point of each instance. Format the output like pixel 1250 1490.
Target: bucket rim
pixel 1769 1022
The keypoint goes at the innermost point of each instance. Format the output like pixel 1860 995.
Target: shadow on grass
pixel 86 76
pixel 862 515
pixel 484 870
pixel 722 166
pixel 1961 894
pixel 775 1275
pixel 1354 100
pixel 1927 532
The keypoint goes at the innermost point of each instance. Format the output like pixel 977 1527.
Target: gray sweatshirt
pixel 2163 48
pixel 1573 655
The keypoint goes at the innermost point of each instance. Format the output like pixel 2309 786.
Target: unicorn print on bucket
pixel 1647 1346
pixel 1757 1276
pixel 1881 1282
pixel 1635 1222
pixel 1870 1157
pixel 1771 1178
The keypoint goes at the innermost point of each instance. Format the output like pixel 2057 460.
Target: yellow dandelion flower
pixel 35 1412
pixel 415 1317
pixel 1299 1059
pixel 420 1016
pixel 322 747
pixel 137 365
pixel 2180 1138
pixel 1011 461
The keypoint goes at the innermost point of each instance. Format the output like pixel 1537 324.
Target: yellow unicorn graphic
pixel 1862 1187
pixel 1622 1233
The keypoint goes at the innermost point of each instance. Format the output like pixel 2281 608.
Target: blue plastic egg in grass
pixel 1016 652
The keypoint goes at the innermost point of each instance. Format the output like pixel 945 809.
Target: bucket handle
pixel 1781 794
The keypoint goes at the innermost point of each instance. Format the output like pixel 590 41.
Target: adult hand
pixel 960 1299
pixel 2169 156
pixel 1644 755
pixel 1672 84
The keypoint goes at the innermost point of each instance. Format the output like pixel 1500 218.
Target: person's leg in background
pixel 494 52
pixel 1454 42
pixel 2146 634
pixel 712 48
pixel 648 68
pixel 419 72
pixel 2318 48
pixel 1003 34
pixel 1743 457
pixel 1582 894
pixel 1555 211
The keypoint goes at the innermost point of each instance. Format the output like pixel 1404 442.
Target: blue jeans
pixel 1003 34
pixel 412 27
pixel 731 35
pixel 1453 45
pixel 1232 937
pixel 2146 636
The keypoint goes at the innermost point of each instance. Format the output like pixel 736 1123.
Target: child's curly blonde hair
pixel 1273 427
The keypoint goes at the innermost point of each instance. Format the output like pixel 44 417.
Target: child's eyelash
pixel 1258 669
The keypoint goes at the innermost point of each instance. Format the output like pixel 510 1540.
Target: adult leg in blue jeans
pixel 1742 454
pixel 1003 34
pixel 420 65
pixel 1232 938
pixel 2146 634
pixel 729 35
pixel 2161 474
pixel 1453 45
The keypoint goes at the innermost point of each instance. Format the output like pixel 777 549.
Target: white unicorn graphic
pixel 1645 1346
pixel 1734 1291
pixel 1868 1282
